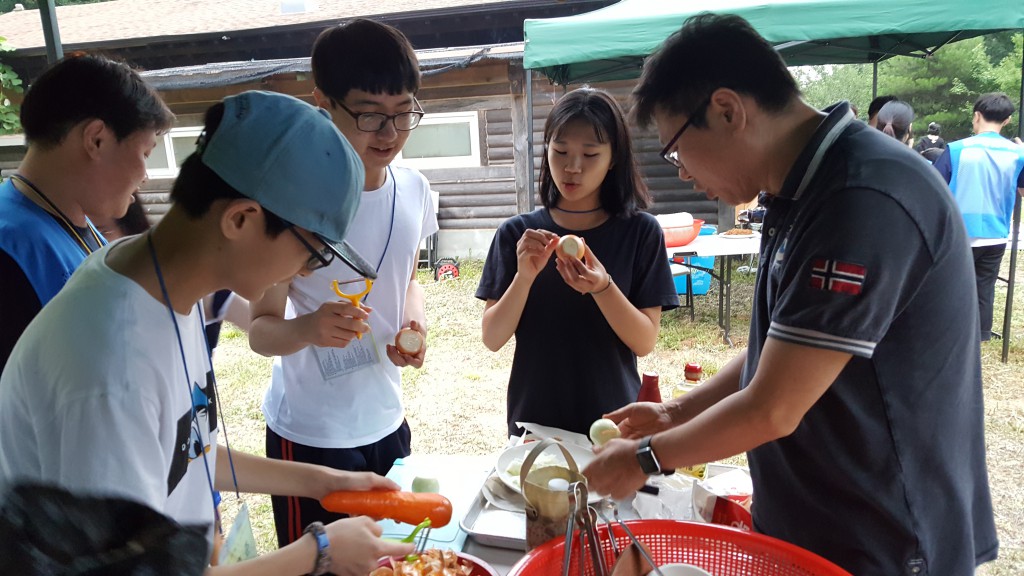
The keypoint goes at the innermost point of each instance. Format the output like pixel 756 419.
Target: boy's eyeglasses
pixel 669 152
pixel 376 121
pixel 318 258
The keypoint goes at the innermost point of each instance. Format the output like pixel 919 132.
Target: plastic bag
pixel 47 530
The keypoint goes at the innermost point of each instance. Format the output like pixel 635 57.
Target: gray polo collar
pixel 839 116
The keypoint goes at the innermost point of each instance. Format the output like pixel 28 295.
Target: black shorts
pixel 291 513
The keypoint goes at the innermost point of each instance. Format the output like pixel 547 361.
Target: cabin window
pixel 444 140
pixel 171 151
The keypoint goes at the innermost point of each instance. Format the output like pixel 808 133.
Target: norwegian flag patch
pixel 836 276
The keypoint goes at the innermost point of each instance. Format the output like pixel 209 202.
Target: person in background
pixel 90 123
pixel 860 392
pixel 335 399
pixel 985 172
pixel 875 106
pixel 931 140
pixel 133 222
pixel 896 119
pixel 580 322
pixel 130 409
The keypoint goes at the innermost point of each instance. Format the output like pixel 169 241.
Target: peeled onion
pixel 571 245
pixel 409 341
pixel 603 430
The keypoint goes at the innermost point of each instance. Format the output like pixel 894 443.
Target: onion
pixel 570 245
pixel 409 341
pixel 603 430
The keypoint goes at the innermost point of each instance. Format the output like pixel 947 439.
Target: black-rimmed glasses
pixel 318 258
pixel 669 152
pixel 376 121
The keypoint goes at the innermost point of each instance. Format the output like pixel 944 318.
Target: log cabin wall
pixel 473 200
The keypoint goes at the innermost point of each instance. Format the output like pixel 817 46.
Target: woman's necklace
pixel 61 217
pixel 567 211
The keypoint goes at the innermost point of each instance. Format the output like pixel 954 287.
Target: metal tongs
pixel 586 515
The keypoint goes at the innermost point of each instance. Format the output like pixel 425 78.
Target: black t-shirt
pixel 570 367
pixel 864 251
pixel 925 143
pixel 19 302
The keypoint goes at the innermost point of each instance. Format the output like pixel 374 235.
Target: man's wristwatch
pixel 648 461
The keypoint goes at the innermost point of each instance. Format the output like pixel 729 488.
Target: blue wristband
pixel 323 559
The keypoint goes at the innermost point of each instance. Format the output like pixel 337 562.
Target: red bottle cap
pixel 693 371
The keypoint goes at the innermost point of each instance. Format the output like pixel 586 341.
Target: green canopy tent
pixel 611 43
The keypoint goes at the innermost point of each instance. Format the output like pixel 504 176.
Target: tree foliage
pixel 941 88
pixel 10 83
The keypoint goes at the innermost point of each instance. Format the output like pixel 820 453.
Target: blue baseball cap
pixel 290 158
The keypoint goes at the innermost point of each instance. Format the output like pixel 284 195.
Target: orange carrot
pixel 407 507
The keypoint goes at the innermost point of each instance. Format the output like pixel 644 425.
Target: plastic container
pixel 720 550
pixel 701 280
pixel 676 236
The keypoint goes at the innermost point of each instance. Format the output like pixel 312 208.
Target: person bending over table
pixel 859 399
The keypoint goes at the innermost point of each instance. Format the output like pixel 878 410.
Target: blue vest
pixel 44 250
pixel 985 172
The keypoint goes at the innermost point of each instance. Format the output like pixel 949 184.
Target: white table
pixel 726 248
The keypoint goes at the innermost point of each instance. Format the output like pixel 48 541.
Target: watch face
pixel 648 463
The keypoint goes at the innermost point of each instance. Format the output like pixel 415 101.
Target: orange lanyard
pixel 61 217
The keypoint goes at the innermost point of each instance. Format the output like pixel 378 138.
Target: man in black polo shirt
pixel 859 399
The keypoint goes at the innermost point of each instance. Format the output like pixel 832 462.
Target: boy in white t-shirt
pixel 110 391
pixel 335 399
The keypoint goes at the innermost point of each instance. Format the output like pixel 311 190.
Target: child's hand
pixel 586 276
pixel 533 251
pixel 356 546
pixel 335 324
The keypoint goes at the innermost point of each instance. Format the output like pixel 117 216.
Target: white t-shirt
pixel 94 398
pixel 310 400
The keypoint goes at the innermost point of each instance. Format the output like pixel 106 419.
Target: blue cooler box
pixel 701 279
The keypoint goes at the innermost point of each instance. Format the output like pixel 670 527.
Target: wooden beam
pixel 472 75
pixel 520 142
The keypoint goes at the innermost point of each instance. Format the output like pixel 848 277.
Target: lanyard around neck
pixel 391 227
pixel 61 217
pixel 188 380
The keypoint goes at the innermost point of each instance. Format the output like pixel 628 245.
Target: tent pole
pixel 1014 231
pixel 48 14
pixel 874 79
pixel 530 186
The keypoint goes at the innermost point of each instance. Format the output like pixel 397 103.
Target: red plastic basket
pixel 720 550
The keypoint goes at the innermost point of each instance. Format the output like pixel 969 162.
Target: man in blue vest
pixel 985 173
pixel 90 123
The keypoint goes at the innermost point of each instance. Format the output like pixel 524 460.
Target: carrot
pixel 407 507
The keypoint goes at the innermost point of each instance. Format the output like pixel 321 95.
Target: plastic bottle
pixel 693 374
pixel 649 391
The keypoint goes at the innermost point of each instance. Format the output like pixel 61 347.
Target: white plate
pixel 582 456
pixel 739 236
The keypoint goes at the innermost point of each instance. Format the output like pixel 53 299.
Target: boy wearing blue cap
pixel 130 409
pixel 335 399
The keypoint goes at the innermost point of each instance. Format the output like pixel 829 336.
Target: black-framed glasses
pixel 318 258
pixel 669 152
pixel 376 121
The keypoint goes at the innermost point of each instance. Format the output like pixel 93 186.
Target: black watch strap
pixel 648 460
